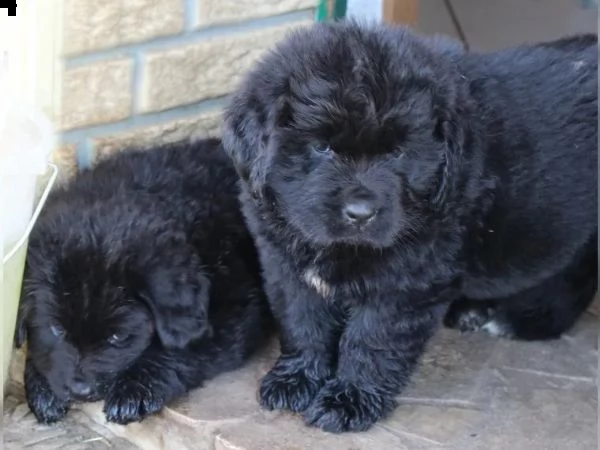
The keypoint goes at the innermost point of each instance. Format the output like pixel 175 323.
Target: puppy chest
pixel 350 291
pixel 316 282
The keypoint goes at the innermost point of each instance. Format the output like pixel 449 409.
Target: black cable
pixel 456 23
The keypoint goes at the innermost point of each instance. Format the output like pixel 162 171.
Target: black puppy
pixel 387 175
pixel 141 282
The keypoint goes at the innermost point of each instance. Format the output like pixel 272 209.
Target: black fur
pixel 141 282
pixel 386 175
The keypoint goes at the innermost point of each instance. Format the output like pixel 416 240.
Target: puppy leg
pixel 308 337
pixel 155 379
pixel 378 352
pixel 470 315
pixel 43 402
pixel 162 375
pixel 542 312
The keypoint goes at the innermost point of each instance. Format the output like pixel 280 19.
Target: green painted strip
pixel 322 13
pixel 339 9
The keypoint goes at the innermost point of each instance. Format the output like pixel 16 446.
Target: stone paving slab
pixel 472 392
pixel 21 430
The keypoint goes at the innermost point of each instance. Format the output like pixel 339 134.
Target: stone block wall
pixel 148 71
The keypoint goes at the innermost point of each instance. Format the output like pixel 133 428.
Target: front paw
pixel 467 315
pixel 131 401
pixel 341 406
pixel 290 385
pixel 43 403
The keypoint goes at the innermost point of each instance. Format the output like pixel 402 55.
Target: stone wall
pixel 148 71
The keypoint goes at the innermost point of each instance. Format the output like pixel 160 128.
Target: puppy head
pixel 349 133
pixel 86 321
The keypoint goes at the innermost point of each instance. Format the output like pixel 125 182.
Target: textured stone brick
pixel 537 419
pixel 98 24
pixel 65 157
pixel 158 432
pixel 280 430
pixel 208 69
pixel 96 93
pixel 447 368
pixel 230 397
pixel 21 430
pixel 574 356
pixel 194 127
pixel 212 12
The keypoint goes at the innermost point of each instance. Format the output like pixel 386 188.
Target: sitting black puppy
pixel 387 175
pixel 141 282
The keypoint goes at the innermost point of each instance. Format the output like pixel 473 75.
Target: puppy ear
pixel 450 130
pixel 23 315
pixel 248 130
pixel 179 303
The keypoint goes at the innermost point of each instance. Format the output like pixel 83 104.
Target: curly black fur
pixel 387 175
pixel 141 282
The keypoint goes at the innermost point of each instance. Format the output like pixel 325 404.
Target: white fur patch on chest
pixel 313 279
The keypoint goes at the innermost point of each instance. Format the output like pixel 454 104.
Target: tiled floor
pixel 472 392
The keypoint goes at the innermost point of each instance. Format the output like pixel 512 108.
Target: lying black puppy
pixel 141 282
pixel 387 175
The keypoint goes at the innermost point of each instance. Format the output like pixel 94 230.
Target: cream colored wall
pixel 31 41
pixel 29 74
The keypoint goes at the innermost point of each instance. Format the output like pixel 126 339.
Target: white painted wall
pixel 365 10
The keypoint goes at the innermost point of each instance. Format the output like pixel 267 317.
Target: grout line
pixel 403 433
pixel 136 81
pixel 85 150
pixel 191 14
pixel 156 118
pixel 457 26
pixel 550 374
pixel 165 42
pixel 90 150
pixel 450 403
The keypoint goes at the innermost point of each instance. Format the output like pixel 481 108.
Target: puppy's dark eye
pixel 57 330
pixel 323 149
pixel 116 339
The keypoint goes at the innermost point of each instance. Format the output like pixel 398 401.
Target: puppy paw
pixel 341 406
pixel 130 401
pixel 43 402
pixel 467 319
pixel 470 316
pixel 289 385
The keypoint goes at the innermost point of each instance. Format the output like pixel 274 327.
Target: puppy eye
pixel 116 339
pixel 57 330
pixel 323 149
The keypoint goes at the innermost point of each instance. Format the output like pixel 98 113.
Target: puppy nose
pixel 81 389
pixel 359 211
